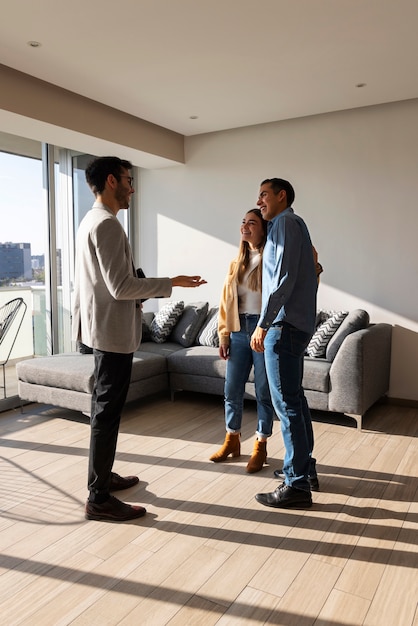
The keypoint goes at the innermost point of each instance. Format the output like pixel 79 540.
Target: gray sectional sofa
pixel 351 375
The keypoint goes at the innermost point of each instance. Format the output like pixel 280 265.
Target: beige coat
pixel 228 320
pixel 107 309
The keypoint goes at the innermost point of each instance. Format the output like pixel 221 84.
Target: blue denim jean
pixel 238 367
pixel 285 347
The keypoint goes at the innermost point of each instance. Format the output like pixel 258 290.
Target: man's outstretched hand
pixel 188 281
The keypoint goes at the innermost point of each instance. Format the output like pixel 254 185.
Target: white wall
pixel 356 179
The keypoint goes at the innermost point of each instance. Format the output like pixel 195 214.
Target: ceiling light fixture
pixel 193 117
pixel 34 44
pixel 359 85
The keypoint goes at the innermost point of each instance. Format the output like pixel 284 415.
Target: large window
pixel 23 246
pixel 43 197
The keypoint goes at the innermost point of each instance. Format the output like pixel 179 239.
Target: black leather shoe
pixel 113 510
pixel 286 497
pixel 117 483
pixel 313 480
pixel 313 483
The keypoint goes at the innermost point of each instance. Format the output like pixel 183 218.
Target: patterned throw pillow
pixel 165 320
pixel 208 336
pixel 355 320
pixel 190 323
pixel 318 344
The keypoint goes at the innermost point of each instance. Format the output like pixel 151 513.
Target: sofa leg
pixel 358 419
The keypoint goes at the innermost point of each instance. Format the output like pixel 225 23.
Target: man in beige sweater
pixel 107 318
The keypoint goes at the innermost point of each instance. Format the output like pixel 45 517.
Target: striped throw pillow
pixel 165 320
pixel 317 346
pixel 208 336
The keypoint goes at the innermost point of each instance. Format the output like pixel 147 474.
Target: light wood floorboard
pixel 207 553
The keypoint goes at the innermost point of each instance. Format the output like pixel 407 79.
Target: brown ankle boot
pixel 231 446
pixel 258 457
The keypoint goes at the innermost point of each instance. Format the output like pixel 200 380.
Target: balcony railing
pixel 33 337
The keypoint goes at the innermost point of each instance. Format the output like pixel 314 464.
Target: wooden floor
pixel 207 552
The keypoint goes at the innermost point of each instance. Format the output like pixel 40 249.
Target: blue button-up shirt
pixel 289 278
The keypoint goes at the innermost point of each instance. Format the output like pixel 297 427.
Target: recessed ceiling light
pixel 359 85
pixel 194 117
pixel 34 44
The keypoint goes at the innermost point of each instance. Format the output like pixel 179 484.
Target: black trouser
pixel 112 374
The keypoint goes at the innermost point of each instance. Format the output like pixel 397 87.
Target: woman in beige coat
pixel 239 311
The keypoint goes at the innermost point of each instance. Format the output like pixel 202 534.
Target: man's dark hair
pixel 277 184
pixel 99 169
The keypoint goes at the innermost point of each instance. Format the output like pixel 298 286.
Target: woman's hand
pixel 224 351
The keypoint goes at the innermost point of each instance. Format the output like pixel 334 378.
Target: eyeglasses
pixel 130 179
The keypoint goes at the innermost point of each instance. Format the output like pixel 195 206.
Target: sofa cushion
pixel 163 349
pixel 316 374
pixel 165 320
pixel 208 335
pixel 76 371
pixel 66 371
pixel 321 337
pixel 205 361
pixel 355 320
pixel 189 324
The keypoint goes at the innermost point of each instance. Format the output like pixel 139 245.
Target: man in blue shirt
pixel 285 327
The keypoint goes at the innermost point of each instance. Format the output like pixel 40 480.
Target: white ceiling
pixel 232 63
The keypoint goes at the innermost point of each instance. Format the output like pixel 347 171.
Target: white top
pixel 249 301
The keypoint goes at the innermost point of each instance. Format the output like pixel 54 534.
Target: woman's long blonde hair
pixel 243 258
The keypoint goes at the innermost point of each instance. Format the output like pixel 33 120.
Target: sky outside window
pixel 22 205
